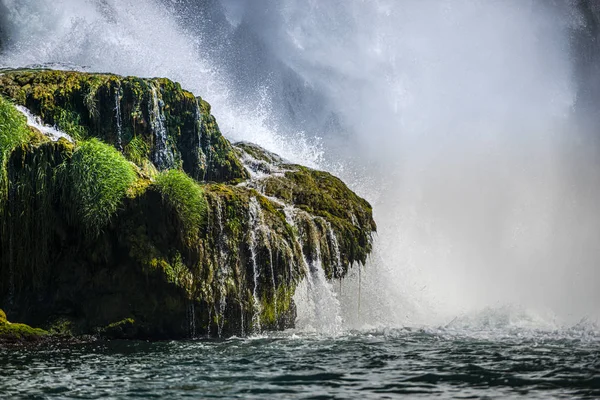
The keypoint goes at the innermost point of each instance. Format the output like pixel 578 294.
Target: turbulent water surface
pixel 444 363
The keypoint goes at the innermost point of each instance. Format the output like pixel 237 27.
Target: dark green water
pixel 388 364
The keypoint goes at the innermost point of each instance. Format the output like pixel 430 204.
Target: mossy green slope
pixel 98 178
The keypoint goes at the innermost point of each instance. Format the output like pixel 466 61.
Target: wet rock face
pixel 119 232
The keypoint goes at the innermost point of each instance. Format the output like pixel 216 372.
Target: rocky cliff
pixel 124 212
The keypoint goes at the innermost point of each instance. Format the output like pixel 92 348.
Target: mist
pixel 457 119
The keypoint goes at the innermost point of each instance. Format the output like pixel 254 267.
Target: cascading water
pixel 35 122
pixel 254 224
pixel 162 157
pixel 318 306
pixel 454 118
pixel 118 95
pixel 223 271
pixel 332 238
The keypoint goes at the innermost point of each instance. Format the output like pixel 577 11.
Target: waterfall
pixel 318 306
pixel 242 331
pixel 162 157
pixel 11 257
pixel 333 241
pixel 221 315
pixel 254 224
pixel 223 262
pixel 273 282
pixel 119 123
pixel 209 323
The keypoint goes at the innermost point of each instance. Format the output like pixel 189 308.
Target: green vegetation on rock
pixel 332 220
pixel 18 333
pixel 13 132
pixel 97 179
pixel 13 129
pixel 120 330
pixel 185 196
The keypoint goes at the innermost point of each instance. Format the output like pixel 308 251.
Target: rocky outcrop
pixel 139 219
pixel 11 333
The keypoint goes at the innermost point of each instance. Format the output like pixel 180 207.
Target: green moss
pixel 137 150
pixel 31 217
pixel 16 333
pixel 322 195
pixel 13 129
pixel 97 179
pixel 126 321
pixel 20 332
pixel 276 305
pixel 70 123
pixel 182 194
pixel 336 220
pixel 61 326
pixel 258 153
pixel 124 328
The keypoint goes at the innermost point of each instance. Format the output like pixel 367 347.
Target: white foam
pixel 36 122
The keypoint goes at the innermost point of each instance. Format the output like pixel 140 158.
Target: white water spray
pixel 35 122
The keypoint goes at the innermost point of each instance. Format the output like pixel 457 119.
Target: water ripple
pixel 417 363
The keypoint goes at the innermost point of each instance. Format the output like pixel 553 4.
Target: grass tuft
pixel 186 197
pixel 98 178
pixel 13 133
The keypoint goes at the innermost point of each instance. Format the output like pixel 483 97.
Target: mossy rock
pixel 317 194
pixel 11 333
pixel 104 230
pixel 147 119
